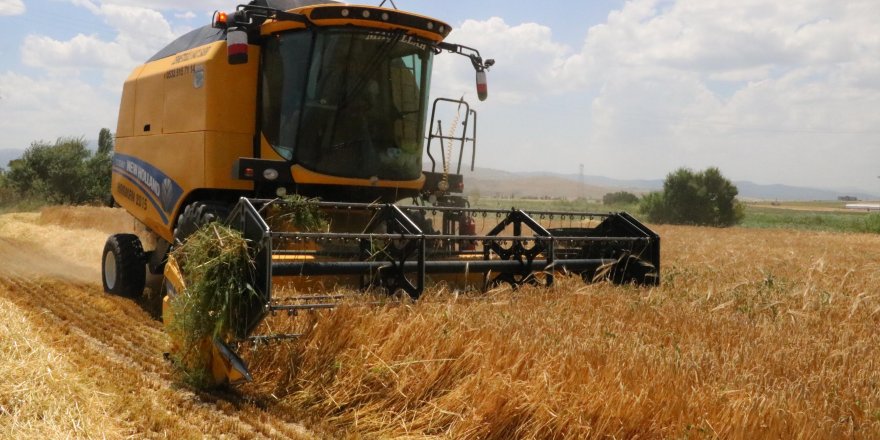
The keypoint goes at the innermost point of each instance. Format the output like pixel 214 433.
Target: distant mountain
pixel 7 154
pixel 795 193
pixel 533 184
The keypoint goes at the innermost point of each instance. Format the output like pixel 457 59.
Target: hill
pixel 537 184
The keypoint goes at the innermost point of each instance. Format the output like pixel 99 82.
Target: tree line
pixel 67 172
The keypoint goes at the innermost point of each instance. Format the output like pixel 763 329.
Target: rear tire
pixel 123 268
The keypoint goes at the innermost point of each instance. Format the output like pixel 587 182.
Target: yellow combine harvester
pixel 329 100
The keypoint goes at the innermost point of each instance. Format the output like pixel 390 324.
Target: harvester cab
pixel 286 105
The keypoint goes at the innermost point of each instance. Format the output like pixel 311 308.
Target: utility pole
pixel 582 182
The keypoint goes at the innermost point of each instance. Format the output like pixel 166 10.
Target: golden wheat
pixel 753 334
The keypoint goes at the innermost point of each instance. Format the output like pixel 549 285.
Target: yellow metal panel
pixel 125 124
pixel 221 152
pixel 186 93
pixel 303 175
pixel 232 91
pixel 141 166
pixel 149 99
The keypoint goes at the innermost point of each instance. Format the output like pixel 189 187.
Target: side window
pixel 285 63
pixel 272 80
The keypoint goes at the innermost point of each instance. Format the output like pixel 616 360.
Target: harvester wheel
pixel 194 216
pixel 123 268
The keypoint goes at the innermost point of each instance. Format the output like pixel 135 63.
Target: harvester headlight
pixel 345 12
pixel 281 191
pixel 385 16
pixel 430 25
pixel 270 174
pixel 366 14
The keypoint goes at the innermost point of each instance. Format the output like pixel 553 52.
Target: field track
pixel 104 357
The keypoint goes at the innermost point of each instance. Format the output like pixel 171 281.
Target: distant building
pixel 863 206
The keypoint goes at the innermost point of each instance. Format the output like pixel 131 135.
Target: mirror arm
pixel 471 53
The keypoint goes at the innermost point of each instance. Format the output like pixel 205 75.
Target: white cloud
pixel 801 82
pixel 188 15
pixel 66 99
pixel 772 93
pixel 61 106
pixel 12 7
pixel 175 5
pixel 523 53
pixel 82 51
pixel 140 33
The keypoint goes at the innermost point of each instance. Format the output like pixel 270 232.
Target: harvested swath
pixel 30 368
pixel 215 265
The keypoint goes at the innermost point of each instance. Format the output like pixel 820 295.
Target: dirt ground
pixel 80 363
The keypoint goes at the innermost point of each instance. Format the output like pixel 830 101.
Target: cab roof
pixel 207 34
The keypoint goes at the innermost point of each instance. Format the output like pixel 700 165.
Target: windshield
pixel 357 110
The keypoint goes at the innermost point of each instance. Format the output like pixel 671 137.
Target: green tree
pixel 620 198
pixel 65 172
pixel 705 198
pixel 105 142
pixel 99 169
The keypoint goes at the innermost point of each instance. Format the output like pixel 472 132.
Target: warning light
pixel 220 20
pixel 248 172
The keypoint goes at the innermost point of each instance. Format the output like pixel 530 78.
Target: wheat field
pixel 752 334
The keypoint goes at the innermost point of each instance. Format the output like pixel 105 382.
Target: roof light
pixel 430 25
pixel 220 20
pixel 385 16
pixel 366 14
pixel 345 12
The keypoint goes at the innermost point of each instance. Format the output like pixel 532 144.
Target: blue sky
pixel 767 91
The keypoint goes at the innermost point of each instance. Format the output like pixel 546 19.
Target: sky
pixel 767 91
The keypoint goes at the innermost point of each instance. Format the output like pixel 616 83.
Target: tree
pixel 705 198
pixel 105 142
pixel 65 172
pixel 99 169
pixel 620 198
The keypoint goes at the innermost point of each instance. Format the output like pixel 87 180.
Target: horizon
pixel 631 89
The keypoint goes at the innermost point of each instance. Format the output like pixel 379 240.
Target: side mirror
pixel 482 85
pixel 482 82
pixel 237 46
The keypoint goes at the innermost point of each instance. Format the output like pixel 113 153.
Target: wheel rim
pixel 110 270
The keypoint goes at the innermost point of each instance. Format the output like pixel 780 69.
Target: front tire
pixel 123 268
pixel 194 216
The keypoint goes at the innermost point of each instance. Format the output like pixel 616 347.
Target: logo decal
pixel 199 76
pixel 162 192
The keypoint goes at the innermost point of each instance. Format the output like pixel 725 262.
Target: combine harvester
pixel 325 100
